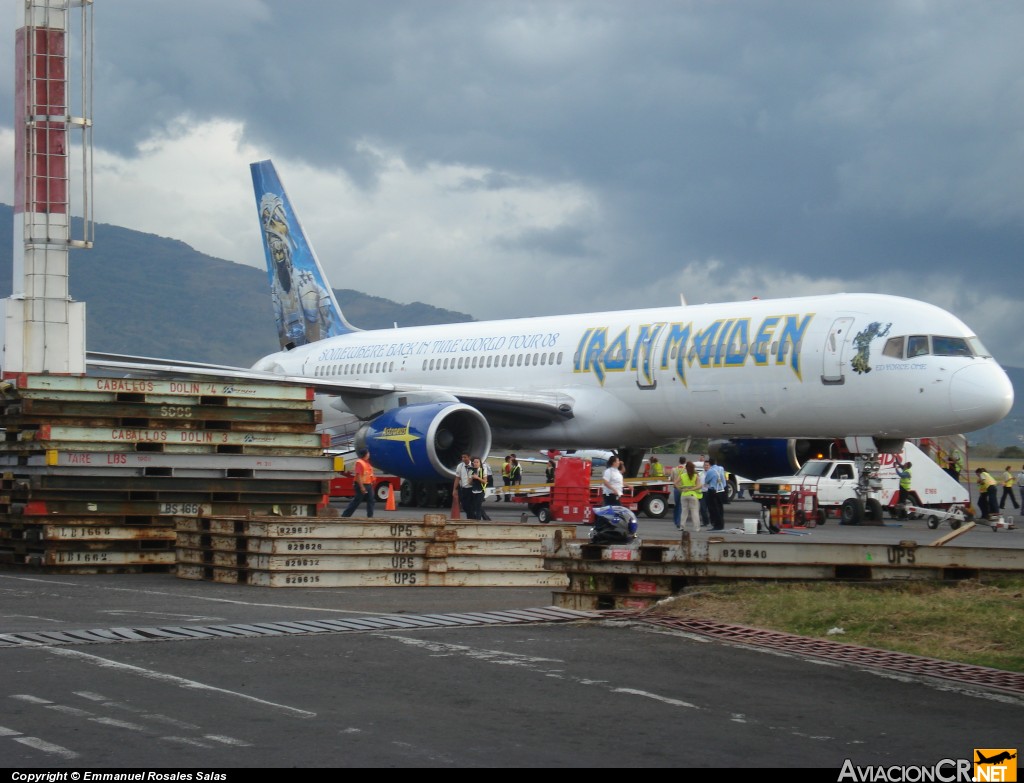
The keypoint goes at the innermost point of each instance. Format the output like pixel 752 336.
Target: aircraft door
pixel 645 356
pixel 832 356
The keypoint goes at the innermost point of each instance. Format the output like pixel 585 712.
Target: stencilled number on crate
pixel 82 532
pixel 404 546
pixel 401 530
pixel 744 554
pixel 404 577
pixel 184 509
pixel 304 546
pixel 176 411
pixel 301 579
pixel 82 557
pixel 298 511
pixel 301 562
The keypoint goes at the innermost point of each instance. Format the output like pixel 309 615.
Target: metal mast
pixel 43 330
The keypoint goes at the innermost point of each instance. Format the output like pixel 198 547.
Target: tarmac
pixel 447 677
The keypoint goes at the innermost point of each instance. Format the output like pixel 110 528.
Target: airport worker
pixel 705 515
pixel 363 485
pixel 611 482
pixel 549 472
pixel 1008 481
pixel 463 484
pixel 955 464
pixel 657 469
pixel 903 472
pixel 675 478
pixel 515 471
pixel 986 493
pixel 506 476
pixel 478 489
pixel 690 492
pixel 714 489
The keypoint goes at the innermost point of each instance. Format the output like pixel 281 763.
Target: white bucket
pixel 750 526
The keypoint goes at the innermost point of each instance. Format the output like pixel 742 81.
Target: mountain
pixel 153 296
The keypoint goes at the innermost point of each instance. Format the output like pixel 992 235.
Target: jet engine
pixel 425 442
pixel 755 458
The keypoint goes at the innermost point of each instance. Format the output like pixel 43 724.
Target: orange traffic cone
pixel 389 505
pixel 455 512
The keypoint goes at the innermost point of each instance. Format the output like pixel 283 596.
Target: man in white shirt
pixel 463 485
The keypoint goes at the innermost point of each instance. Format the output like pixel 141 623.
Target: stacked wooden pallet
pixel 95 469
pixel 367 553
pixel 603 576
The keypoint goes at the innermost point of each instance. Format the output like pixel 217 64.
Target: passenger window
pixel 917 345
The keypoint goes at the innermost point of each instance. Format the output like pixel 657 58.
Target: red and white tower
pixel 42 329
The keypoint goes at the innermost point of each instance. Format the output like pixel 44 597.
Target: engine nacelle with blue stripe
pixel 755 458
pixel 425 442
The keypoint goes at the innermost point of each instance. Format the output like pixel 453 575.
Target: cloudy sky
pixel 505 159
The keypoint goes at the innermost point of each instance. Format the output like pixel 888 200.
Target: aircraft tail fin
pixel 304 304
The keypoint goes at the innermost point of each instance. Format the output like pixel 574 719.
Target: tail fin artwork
pixel 304 304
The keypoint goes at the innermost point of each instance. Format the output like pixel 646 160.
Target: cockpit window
pixel 893 348
pixel 917 345
pixel 950 346
pixel 938 345
pixel 979 349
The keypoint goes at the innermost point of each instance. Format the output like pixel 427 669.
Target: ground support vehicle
pixel 573 496
pixel 956 517
pixel 344 483
pixel 859 488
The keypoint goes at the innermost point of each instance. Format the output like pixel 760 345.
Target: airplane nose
pixel 980 395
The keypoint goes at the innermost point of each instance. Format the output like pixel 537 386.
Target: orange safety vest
pixel 364 471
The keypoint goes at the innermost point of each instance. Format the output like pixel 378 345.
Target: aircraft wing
pixel 501 407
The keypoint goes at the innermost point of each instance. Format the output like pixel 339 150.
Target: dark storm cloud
pixel 818 139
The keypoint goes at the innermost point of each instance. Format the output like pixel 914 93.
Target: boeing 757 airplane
pixel 838 365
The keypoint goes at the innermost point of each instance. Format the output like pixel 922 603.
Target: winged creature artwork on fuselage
pixel 825 366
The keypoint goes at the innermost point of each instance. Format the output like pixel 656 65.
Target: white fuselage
pixel 799 367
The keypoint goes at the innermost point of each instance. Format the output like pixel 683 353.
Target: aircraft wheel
pixel 446 496
pixel 405 493
pixel 852 511
pixel 425 496
pixel 655 506
pixel 543 513
pixel 933 522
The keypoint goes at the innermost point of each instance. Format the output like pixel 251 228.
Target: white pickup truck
pixel 857 490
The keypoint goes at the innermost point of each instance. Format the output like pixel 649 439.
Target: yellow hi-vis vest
pixel 689 485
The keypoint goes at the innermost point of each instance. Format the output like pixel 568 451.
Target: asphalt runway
pixel 892 531
pixel 454 687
